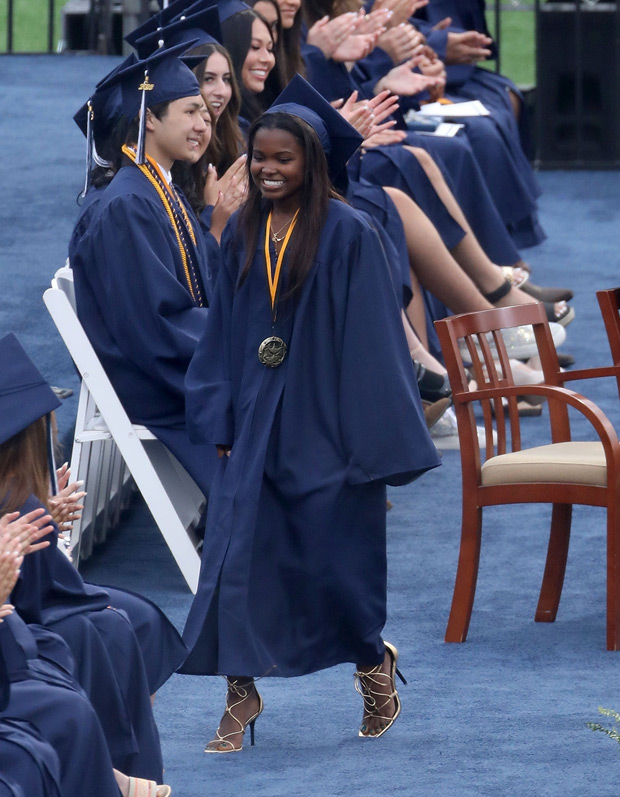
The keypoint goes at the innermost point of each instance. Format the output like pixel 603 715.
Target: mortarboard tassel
pixel 143 87
pixel 89 148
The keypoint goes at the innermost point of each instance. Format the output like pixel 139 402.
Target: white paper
pixel 456 110
pixel 445 130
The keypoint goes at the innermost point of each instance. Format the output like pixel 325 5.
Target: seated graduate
pixel 311 400
pixel 141 270
pixel 123 647
pixel 51 742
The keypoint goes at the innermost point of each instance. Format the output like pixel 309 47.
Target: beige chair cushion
pixel 577 462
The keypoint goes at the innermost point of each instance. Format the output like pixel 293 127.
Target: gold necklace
pixel 274 235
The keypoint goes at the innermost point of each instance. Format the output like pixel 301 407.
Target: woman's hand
pixel 18 537
pixel 367 116
pixel 401 42
pixel 328 34
pixel 355 47
pixel 223 451
pixel 227 202
pixel 401 10
pixel 65 506
pixel 402 80
pixel 214 185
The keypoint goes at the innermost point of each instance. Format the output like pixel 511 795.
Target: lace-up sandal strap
pixel 139 787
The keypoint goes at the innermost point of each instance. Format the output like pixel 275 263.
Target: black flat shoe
pixel 432 386
pixel 547 294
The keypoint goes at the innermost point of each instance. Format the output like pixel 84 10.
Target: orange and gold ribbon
pixel 274 279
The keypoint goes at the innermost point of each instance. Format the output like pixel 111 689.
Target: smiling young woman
pixel 304 384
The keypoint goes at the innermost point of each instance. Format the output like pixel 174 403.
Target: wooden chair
pixel 107 445
pixel 563 472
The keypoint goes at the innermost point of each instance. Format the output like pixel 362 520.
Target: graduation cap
pixel 202 27
pixel 228 8
pixel 162 77
pixel 338 138
pixel 98 117
pixel 24 395
pixel 159 20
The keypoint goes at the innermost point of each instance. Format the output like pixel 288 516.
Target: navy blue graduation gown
pixel 396 167
pixel 29 767
pixel 46 707
pixel 109 661
pixel 136 308
pixel 293 575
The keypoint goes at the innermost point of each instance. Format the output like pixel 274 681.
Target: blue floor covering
pixel 503 714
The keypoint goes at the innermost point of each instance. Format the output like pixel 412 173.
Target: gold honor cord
pixel 274 279
pixel 166 203
pixel 272 351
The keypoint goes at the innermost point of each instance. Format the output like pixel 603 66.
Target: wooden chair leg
pixel 466 575
pixel 613 577
pixel 555 566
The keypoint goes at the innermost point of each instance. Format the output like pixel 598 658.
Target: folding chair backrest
pixel 131 439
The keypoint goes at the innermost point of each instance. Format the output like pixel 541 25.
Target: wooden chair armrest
pixel 590 373
pixel 591 411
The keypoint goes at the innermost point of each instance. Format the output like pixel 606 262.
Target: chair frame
pixel 171 495
pixel 497 395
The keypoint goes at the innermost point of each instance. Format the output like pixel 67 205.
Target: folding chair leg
pixel 555 566
pixel 466 575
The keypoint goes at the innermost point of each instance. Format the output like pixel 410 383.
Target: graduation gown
pixel 395 166
pixel 109 662
pixel 136 308
pixel 293 575
pixel 51 742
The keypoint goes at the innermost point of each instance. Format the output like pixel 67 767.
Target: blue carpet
pixel 503 714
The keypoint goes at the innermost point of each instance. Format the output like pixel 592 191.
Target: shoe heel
pixel 401 676
pixel 252 733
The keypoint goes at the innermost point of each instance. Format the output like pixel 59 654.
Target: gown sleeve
pixel 381 418
pixel 208 387
pixel 152 318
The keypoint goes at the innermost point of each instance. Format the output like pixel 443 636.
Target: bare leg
pixel 439 272
pixel 470 248
pixel 417 350
pixel 377 687
pixel 243 705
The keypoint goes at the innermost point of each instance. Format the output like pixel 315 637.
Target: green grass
pixel 29 25
pixel 518 53
pixel 30 35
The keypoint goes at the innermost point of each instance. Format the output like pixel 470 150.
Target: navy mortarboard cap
pixel 24 395
pixel 159 20
pixel 227 8
pixel 201 28
pixel 162 77
pixel 98 117
pixel 338 138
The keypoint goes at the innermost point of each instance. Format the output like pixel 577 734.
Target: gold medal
pixel 272 352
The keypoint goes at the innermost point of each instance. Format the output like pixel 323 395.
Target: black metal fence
pixel 10 25
pixel 96 22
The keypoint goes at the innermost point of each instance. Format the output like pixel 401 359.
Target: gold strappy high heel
pixel 243 691
pixel 375 702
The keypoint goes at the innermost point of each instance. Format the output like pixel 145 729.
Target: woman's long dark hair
pixel 226 139
pixel 24 469
pixel 316 192
pixel 313 10
pixel 293 63
pixel 277 79
pixel 191 177
pixel 237 38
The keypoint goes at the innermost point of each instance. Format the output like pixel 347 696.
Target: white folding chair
pixel 104 433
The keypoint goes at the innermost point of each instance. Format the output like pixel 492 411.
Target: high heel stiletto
pixel 375 702
pixel 243 691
